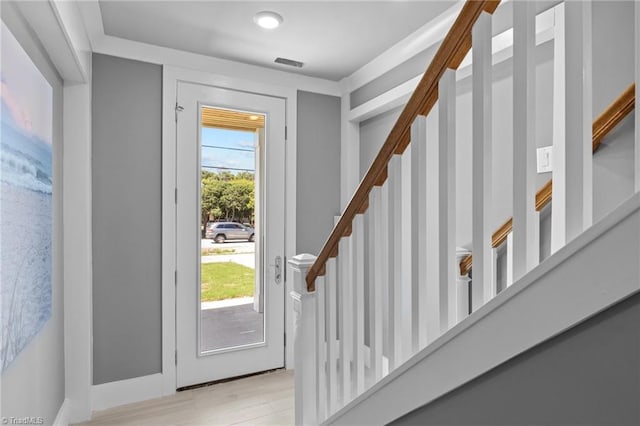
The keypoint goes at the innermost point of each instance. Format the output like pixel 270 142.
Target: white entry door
pixel 218 335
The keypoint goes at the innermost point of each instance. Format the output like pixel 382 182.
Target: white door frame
pixel 170 76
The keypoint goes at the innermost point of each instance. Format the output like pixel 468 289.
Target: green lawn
pixel 226 280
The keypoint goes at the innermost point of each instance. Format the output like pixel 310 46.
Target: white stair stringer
pixel 593 272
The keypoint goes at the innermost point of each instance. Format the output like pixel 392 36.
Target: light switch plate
pixel 544 159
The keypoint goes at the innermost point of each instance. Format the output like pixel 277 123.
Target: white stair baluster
pixel 525 218
pixel 332 341
pixel 558 170
pixel 339 319
pixel 346 318
pixel 579 151
pixel 407 230
pixel 432 261
pixel 399 338
pixel 447 200
pixel 509 254
pixel 418 226
pixel 375 295
pixel 462 284
pixel 637 79
pixel 482 192
pixel 369 285
pixel 494 265
pixel 321 345
pixel 384 282
pixel 358 303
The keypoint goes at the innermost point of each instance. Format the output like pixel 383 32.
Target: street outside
pixel 244 252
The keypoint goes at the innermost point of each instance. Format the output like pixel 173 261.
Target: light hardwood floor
pixel 266 399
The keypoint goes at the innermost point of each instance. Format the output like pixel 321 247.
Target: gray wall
pixel 33 385
pixel 613 56
pixel 318 165
pixel 405 71
pixel 373 133
pixel 127 201
pixel 126 188
pixel 587 375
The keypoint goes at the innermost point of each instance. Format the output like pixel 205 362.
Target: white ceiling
pixel 332 38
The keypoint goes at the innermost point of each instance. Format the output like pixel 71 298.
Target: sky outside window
pixel 232 150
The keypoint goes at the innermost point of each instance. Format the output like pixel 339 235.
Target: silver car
pixel 222 231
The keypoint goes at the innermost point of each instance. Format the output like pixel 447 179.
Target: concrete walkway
pixel 227 303
pixel 230 322
pixel 231 326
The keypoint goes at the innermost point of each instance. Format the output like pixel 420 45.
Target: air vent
pixel 290 62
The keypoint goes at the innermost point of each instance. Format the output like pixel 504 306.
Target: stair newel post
pixel 447 200
pixel 482 194
pixel 304 328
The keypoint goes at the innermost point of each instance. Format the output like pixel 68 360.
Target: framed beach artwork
pixel 26 190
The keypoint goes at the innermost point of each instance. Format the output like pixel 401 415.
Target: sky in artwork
pixel 25 93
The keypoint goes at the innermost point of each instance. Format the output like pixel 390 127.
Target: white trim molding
pixel 429 34
pixel 502 50
pixel 116 46
pixel 128 391
pixel 78 272
pixel 349 154
pixel 62 418
pixel 59 27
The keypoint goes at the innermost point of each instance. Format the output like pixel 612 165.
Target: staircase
pixel 390 307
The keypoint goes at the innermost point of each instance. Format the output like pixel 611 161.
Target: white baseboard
pixel 128 391
pixel 62 418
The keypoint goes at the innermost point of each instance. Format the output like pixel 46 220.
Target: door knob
pixel 278 270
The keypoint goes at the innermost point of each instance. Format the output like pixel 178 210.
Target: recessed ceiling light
pixel 267 19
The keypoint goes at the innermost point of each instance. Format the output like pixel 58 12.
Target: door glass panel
pixel 231 313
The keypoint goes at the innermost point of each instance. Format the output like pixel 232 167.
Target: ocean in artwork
pixel 26 190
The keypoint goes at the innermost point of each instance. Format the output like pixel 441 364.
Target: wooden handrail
pixel 450 54
pixel 602 125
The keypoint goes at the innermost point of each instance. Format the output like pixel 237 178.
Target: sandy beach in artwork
pixel 25 256
pixel 26 188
